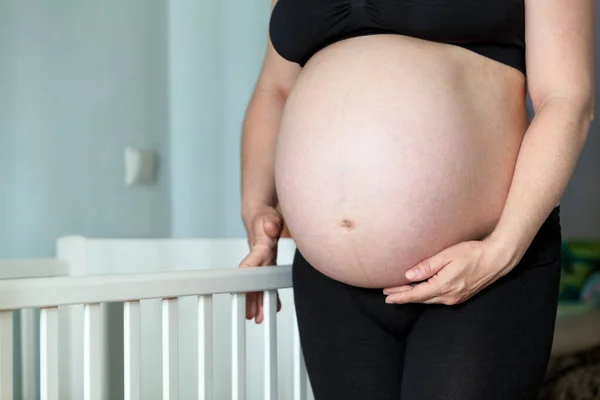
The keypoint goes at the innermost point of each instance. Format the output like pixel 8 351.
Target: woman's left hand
pixel 451 276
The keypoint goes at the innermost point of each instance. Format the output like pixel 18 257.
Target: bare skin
pixel 262 220
pixel 380 164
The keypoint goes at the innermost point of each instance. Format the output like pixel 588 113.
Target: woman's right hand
pixel 264 227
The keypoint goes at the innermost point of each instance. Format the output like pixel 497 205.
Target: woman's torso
pixel 393 147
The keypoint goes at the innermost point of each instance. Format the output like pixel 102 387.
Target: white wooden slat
pixel 270 344
pixel 29 351
pixel 299 369
pixel 238 343
pixel 169 350
pixel 31 293
pixel 6 355
pixel 205 348
pixel 92 345
pixel 49 353
pixel 131 350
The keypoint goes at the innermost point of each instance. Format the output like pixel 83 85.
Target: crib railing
pixel 23 269
pixel 93 291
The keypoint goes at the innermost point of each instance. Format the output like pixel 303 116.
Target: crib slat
pixel 92 384
pixel 131 329
pixel 6 355
pixel 238 343
pixel 29 349
pixel 299 369
pixel 270 344
pixel 169 349
pixel 49 353
pixel 205 346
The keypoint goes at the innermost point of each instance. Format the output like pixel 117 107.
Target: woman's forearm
pixel 547 158
pixel 259 135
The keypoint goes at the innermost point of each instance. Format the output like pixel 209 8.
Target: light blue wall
pixel 245 38
pixel 8 27
pixel 195 114
pixel 81 81
pixel 216 50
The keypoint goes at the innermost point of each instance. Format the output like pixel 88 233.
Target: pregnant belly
pixel 391 149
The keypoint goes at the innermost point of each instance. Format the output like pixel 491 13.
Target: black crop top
pixel 492 28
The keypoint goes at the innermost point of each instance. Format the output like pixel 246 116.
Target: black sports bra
pixel 492 28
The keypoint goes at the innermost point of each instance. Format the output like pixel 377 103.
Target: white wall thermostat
pixel 140 166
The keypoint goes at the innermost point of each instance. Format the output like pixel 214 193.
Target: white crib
pixel 162 319
pixel 148 319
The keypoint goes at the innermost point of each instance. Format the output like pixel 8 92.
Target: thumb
pixel 254 259
pixel 427 268
pixel 272 226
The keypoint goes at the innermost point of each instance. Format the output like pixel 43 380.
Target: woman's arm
pixel 560 65
pixel 260 128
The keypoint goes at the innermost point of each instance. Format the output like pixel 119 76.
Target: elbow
pixel 281 93
pixel 576 98
pixel 577 108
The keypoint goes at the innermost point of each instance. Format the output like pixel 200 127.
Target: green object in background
pixel 567 308
pixel 580 259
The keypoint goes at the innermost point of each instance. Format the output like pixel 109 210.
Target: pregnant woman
pixel 394 137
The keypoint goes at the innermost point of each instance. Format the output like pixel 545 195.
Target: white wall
pixel 80 81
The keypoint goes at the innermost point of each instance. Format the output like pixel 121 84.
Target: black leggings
pixel 494 346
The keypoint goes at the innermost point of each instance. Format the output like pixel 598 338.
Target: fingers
pixel 420 293
pixel 398 289
pixel 278 303
pixel 426 293
pixel 254 259
pixel 259 256
pixel 262 241
pixel 428 268
pixel 255 308
pixel 250 305
pixel 254 300
pixel 260 314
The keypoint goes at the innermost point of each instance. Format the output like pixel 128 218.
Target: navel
pixel 347 224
